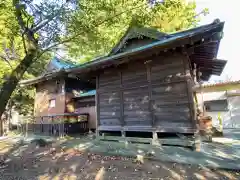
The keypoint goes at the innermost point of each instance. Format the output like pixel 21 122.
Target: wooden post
pixel 150 103
pixel 34 122
pixel 59 127
pixel 121 102
pixel 97 106
pixel 63 126
pixel 192 79
pixel 63 91
pixel 1 126
pixel 229 108
pixel 52 126
pixel 191 104
pixel 202 100
pixel 41 124
pixel 155 139
pixel 197 142
pixel 189 82
pixel 26 133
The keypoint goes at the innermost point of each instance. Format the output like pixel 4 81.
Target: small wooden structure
pixel 57 124
pixel 145 85
pixel 56 103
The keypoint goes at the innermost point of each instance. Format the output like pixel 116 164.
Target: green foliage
pixel 88 28
pixel 39 65
pixel 99 24
pixel 174 15
pixel 12 52
pixel 23 98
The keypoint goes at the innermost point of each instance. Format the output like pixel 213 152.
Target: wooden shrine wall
pixel 147 95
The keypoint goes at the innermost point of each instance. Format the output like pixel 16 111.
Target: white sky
pixel 228 11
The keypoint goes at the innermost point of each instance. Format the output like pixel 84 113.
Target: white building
pixel 221 99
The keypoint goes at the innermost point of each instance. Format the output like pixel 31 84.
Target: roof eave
pixel 172 42
pixel 40 79
pixel 164 43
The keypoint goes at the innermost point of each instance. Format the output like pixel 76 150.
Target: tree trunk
pixel 11 83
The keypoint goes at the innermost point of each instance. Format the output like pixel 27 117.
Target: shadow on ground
pixel 74 159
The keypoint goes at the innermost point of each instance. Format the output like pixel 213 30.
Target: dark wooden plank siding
pixel 136 102
pixel 167 69
pixel 109 79
pixel 136 95
pixel 109 108
pixel 109 98
pixel 136 77
pixel 151 93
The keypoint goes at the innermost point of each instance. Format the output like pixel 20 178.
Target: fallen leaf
pixel 100 174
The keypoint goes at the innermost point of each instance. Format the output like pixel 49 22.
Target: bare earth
pixel 54 162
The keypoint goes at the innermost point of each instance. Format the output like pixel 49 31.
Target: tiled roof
pixel 135 32
pixel 203 53
pixel 218 87
pixel 57 64
pixel 221 84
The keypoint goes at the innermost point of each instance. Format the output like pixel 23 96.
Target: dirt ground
pixel 56 162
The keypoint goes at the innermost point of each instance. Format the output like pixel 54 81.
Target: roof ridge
pixel 149 32
pixel 64 60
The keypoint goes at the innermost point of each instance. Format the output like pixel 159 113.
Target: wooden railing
pixel 56 124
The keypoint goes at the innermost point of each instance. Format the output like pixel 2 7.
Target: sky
pixel 228 11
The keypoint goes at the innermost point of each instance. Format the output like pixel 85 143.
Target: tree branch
pixel 43 23
pixel 18 14
pixel 5 59
pixel 78 34
pixel 200 13
pixel 48 19
pixel 24 28
pixel 28 21
pixel 24 44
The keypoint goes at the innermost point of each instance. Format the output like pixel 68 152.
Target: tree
pixel 22 98
pixel 31 28
pixel 167 16
pixel 25 37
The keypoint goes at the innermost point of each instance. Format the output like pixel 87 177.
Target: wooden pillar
pixel 52 126
pixel 197 142
pixel 97 106
pixel 61 123
pixel 203 110
pixel 26 131
pixel 1 126
pixel 59 127
pixel 63 126
pixel 150 103
pixel 41 125
pixel 190 81
pixel 191 103
pixel 155 140
pixel 121 104
pixel 34 124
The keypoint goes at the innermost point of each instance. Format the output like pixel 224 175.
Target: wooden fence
pixel 55 125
